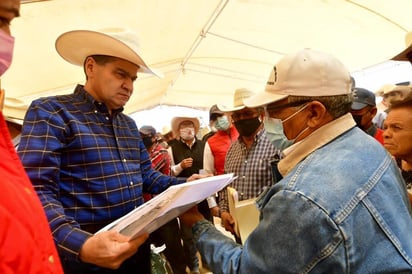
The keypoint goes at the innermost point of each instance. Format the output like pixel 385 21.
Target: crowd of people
pixel 333 187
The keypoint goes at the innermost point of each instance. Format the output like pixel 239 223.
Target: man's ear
pixel 318 115
pixel 373 111
pixel 89 65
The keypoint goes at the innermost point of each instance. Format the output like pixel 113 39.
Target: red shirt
pixel 219 144
pixel 379 135
pixel 26 241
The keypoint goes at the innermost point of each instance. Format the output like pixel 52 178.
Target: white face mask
pixel 187 133
pixel 6 51
pixel 275 133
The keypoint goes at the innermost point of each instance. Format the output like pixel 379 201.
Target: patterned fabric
pixel 88 168
pixel 160 159
pixel 252 166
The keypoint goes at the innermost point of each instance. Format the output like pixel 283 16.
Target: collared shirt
pixel 26 242
pixel 88 167
pixel 297 152
pixel 252 166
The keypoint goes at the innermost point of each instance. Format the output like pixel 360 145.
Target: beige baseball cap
pixel 306 73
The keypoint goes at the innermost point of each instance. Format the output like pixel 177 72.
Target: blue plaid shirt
pixel 88 168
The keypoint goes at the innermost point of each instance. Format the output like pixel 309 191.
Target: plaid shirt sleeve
pixel 252 166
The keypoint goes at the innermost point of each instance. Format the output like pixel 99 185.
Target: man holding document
pixel 86 159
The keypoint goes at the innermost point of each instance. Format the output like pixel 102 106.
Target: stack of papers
pixel 168 205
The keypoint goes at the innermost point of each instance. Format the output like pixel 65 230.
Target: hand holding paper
pixel 168 205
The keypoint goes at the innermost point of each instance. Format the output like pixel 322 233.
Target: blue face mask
pixel 275 133
pixel 222 123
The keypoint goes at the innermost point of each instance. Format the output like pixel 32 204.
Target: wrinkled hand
pixel 190 217
pixel 185 163
pixel 228 222
pixel 110 249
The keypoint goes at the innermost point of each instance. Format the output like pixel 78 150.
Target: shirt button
pixel 131 183
pixel 124 160
pixel 51 259
pixel 95 111
pixel 107 118
pixel 245 161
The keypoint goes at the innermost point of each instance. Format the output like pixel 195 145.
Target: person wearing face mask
pixel 216 149
pixel 341 206
pixel 249 158
pixel 363 111
pixel 214 114
pixel 187 159
pixel 27 245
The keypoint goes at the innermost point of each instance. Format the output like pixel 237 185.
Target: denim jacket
pixel 341 207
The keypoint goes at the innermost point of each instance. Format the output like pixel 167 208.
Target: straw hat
pixel 176 121
pixel 74 46
pixel 239 96
pixel 166 130
pixel 388 88
pixel 403 56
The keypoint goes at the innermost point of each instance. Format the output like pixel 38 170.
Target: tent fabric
pixel 205 48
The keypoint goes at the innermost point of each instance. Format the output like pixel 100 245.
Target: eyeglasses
pixel 273 110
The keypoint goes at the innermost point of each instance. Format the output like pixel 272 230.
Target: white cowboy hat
pixel 176 121
pixel 74 46
pixel 238 97
pixel 388 88
pixel 403 56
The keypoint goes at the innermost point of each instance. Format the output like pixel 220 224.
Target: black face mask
pixel 358 120
pixel 247 127
pixel 147 141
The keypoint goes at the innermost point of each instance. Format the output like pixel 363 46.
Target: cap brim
pixel 403 55
pixel 75 46
pixel 263 98
pixel 229 108
pixel 358 106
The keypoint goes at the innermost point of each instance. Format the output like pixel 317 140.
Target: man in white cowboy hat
pixel 187 159
pixel 86 159
pixel 341 206
pixel 249 157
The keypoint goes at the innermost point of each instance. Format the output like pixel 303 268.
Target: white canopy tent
pixel 205 48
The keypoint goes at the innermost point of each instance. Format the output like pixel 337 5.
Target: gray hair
pixel 337 106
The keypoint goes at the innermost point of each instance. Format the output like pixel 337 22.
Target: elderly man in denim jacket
pixel 341 206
